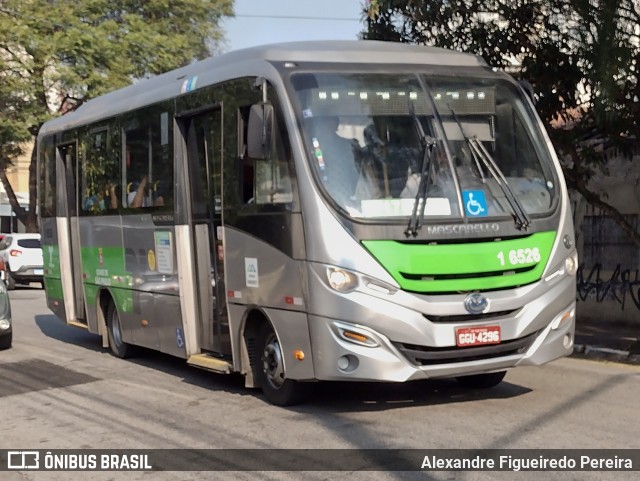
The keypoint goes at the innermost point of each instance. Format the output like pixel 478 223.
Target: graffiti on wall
pixel 619 285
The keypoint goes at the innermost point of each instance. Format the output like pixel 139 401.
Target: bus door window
pixel 247 164
pixel 67 155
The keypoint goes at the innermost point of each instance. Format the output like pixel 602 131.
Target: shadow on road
pixel 334 397
pixel 369 396
pixel 54 328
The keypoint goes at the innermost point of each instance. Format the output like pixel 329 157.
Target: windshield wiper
pixel 521 218
pixel 428 143
pixel 479 152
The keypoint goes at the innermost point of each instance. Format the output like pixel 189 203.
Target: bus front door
pixel 204 147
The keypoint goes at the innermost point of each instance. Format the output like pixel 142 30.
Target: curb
pixel 605 354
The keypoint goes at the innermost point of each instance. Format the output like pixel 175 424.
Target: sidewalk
pixel 608 340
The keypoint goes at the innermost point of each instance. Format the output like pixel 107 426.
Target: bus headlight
pixel 569 267
pixel 341 280
pixel 571 264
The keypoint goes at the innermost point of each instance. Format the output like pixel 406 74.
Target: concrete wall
pixel 608 280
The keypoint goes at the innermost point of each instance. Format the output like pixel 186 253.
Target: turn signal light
pixel 355 336
pixel 15 253
pixel 560 319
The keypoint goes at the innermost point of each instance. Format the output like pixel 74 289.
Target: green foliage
pixel 582 58
pixel 56 54
pixel 578 55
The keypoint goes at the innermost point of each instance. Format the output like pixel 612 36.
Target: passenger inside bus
pixel 106 198
pixel 136 194
pixel 140 196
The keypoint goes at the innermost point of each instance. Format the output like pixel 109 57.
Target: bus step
pixel 211 363
pixel 77 324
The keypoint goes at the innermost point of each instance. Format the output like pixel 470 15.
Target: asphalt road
pixel 60 390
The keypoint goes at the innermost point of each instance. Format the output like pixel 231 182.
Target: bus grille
pixel 426 356
pixel 471 275
pixel 470 317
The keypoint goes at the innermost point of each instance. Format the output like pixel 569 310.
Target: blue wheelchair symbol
pixel 179 338
pixel 475 203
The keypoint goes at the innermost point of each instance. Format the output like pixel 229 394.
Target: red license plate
pixel 477 336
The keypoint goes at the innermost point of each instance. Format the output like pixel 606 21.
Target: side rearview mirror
pixel 259 131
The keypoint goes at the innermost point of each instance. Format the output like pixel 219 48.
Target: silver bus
pixel 344 211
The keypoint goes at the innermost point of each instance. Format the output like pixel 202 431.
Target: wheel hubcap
pixel 272 362
pixel 115 330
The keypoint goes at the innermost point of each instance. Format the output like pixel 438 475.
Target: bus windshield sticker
pixel 475 203
pixel 164 255
pixel 151 260
pixel 251 271
pixel 401 207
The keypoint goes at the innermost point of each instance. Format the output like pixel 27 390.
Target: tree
pixel 581 56
pixel 57 54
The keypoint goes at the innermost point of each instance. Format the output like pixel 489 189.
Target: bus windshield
pixel 367 135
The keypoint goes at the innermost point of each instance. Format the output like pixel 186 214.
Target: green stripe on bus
pixel 51 261
pixel 465 266
pixel 53 287
pixel 104 267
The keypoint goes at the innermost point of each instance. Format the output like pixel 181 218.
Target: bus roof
pixel 219 68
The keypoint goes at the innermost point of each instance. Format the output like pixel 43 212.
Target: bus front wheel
pixel 270 371
pixel 119 348
pixel 482 381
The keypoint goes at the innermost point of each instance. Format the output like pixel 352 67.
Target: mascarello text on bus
pixel 344 211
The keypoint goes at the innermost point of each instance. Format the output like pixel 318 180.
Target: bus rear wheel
pixel 119 348
pixel 482 381
pixel 277 389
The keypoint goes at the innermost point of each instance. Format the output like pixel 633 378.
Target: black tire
pixel 8 280
pixel 482 381
pixel 277 389
pixel 5 341
pixel 118 347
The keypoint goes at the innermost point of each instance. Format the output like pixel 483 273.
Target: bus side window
pixel 148 162
pixel 99 174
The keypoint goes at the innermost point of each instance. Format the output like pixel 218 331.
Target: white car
pixel 21 259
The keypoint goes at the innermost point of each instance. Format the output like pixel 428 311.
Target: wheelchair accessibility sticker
pixel 179 338
pixel 475 203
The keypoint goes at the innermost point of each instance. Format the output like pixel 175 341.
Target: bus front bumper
pixel 341 357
